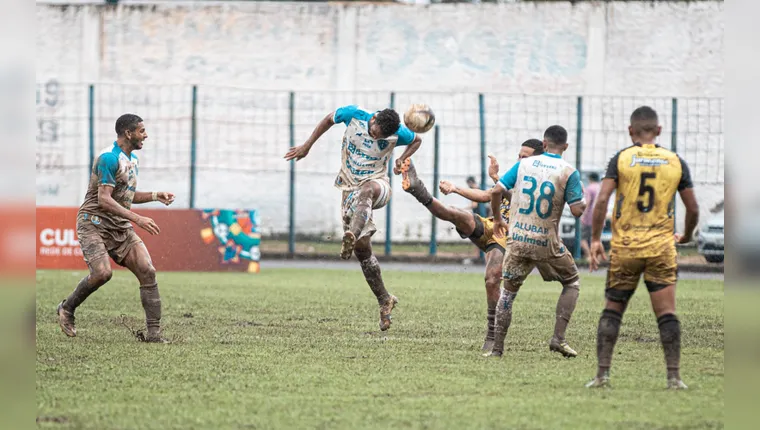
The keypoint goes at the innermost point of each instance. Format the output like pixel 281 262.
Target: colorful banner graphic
pixel 207 240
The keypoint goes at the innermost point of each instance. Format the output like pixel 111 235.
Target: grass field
pixel 301 349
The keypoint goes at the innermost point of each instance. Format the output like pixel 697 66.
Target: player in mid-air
pixel 541 185
pixel 645 178
pixel 104 228
pixel 472 226
pixel 368 144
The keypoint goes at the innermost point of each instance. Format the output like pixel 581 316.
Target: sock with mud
pixel 151 302
pixel 670 336
pixel 503 319
pixel 565 308
pixel 79 295
pixel 606 337
pixel 491 317
pixel 371 270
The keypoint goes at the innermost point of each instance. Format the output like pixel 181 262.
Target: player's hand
pixel 148 225
pixel 297 153
pixel 681 239
pixel 397 166
pixel 499 227
pixel 493 168
pixel 165 197
pixel 596 254
pixel 446 187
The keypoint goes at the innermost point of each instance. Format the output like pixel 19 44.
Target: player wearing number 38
pixel 542 185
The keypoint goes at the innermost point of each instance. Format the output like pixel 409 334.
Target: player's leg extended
pixel 371 269
pixel 660 278
pixel 96 256
pixel 138 261
pixel 412 184
pixel 494 259
pixel 363 204
pixel 622 278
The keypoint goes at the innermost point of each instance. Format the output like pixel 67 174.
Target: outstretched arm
pixel 154 196
pixel 409 150
pixel 473 194
pixel 299 152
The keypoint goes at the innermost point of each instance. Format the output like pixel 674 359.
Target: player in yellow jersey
pixel 472 226
pixel 645 178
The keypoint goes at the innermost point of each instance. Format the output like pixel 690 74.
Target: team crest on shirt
pixel 382 143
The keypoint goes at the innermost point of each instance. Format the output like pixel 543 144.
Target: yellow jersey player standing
pixel 645 178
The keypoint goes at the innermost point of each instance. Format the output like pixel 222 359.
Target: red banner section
pixel 190 240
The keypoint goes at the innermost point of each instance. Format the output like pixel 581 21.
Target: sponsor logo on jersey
pixel 648 162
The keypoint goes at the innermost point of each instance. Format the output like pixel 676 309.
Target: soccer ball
pixel 419 118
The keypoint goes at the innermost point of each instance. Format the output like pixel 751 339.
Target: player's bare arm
pixel 493 169
pixel 408 152
pixel 596 252
pixel 299 152
pixel 108 204
pixel 578 208
pixel 692 215
pixel 164 197
pixel 497 194
pixel 472 194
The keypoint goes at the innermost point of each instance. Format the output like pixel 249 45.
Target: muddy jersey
pixel 115 169
pixel 363 157
pixel 647 179
pixel 541 185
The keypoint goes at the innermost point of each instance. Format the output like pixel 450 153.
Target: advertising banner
pixel 206 240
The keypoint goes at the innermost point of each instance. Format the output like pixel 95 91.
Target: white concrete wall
pixel 333 54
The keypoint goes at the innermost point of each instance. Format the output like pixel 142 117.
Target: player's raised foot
pixel 562 347
pixel 385 312
pixel 412 184
pixel 599 382
pixel 66 321
pixel 676 384
pixel 347 248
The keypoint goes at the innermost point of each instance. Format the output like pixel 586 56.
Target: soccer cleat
pixel 142 336
pixel 676 384
pixel 347 248
pixel 562 347
pixel 599 382
pixel 496 354
pixel 412 184
pixel 66 321
pixel 385 312
pixel 487 345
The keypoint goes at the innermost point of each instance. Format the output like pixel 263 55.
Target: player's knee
pixel 493 279
pixel 574 285
pixel 148 275
pixel 101 275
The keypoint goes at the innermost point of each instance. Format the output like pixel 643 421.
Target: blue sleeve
pixel 405 136
pixel 106 168
pixel 345 113
pixel 510 178
pixel 573 189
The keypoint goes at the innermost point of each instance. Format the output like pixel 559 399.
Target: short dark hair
pixel 537 145
pixel 126 122
pixel 556 134
pixel 471 179
pixel 388 120
pixel 593 177
pixel 644 119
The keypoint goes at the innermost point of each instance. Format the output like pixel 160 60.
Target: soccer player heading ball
pixel 104 228
pixel 368 144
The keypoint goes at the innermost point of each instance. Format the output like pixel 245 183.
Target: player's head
pixel 384 123
pixel 555 139
pixel 593 177
pixel 645 126
pixel 471 182
pixel 131 129
pixel 530 148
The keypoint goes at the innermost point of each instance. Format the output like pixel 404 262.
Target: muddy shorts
pixel 562 269
pixel 98 242
pixel 483 237
pixel 624 274
pixel 351 200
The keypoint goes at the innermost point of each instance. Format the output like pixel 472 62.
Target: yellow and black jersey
pixel 647 179
pixel 504 210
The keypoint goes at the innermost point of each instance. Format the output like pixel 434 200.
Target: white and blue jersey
pixel 541 185
pixel 364 158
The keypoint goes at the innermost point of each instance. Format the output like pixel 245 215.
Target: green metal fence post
pixel 92 128
pixel 578 166
pixel 388 211
pixel 483 156
pixel 193 144
pixel 434 222
pixel 674 145
pixel 292 203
